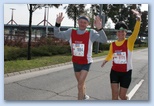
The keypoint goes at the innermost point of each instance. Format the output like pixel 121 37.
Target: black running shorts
pixel 124 78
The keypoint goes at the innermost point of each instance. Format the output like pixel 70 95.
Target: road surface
pixel 59 83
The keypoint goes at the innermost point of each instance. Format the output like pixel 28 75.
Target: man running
pixel 81 42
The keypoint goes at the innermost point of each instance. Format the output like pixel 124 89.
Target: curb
pixel 35 69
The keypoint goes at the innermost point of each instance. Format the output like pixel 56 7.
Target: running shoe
pixel 86 97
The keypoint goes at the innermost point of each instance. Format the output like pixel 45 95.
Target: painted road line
pixel 133 91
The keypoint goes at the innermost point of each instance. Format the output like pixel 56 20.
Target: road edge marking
pixel 133 91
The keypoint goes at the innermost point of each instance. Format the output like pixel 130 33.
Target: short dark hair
pixel 121 25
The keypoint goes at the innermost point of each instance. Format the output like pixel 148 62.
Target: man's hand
pixel 98 22
pixel 59 18
pixel 138 15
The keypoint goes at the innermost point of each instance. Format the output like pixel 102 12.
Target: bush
pixel 23 52
pixel 104 46
pixel 141 45
pixel 40 51
pixel 101 46
pixel 50 50
pixel 64 50
pixel 11 53
pixel 53 49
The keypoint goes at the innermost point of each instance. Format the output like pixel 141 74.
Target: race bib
pixel 78 49
pixel 120 57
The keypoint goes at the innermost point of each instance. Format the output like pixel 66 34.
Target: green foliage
pixel 13 53
pixel 104 46
pixel 101 46
pixel 74 11
pixel 40 51
pixel 64 50
pixel 122 12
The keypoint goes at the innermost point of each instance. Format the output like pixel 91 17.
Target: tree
pixel 32 8
pixel 122 12
pixel 74 11
pixel 144 25
pixel 94 12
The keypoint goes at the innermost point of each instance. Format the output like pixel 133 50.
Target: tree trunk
pixel 30 30
pixel 75 16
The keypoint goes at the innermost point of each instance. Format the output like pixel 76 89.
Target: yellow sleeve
pixel 133 37
pixel 110 54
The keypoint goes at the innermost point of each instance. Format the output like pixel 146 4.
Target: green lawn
pixel 19 65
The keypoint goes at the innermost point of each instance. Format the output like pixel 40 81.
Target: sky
pixel 21 14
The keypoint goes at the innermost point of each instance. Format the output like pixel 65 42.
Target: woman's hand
pixel 138 15
pixel 104 62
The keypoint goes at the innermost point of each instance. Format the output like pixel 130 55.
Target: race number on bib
pixel 120 57
pixel 78 49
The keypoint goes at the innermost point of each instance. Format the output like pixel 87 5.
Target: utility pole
pixel 92 9
pixel 45 20
pixel 102 16
pixel 12 18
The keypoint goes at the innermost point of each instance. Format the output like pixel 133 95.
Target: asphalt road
pixel 59 83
